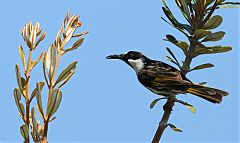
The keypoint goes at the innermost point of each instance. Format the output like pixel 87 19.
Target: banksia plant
pixel 32 35
pixel 199 30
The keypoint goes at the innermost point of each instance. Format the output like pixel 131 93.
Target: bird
pixel 164 79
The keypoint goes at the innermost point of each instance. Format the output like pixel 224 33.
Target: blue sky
pixel 104 102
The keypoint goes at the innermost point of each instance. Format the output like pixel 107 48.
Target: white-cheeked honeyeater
pixel 165 80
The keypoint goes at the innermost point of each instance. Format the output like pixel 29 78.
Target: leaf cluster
pixel 50 61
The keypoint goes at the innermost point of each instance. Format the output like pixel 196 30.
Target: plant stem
pixel 27 75
pixel 51 87
pixel 170 101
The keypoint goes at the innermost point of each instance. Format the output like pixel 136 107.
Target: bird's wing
pixel 162 73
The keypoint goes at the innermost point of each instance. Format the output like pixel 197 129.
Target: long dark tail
pixel 211 94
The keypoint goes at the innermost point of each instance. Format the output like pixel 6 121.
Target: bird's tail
pixel 211 94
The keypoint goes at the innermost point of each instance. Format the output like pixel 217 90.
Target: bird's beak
pixel 120 57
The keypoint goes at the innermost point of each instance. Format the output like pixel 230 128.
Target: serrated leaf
pixel 22 56
pixel 54 103
pixel 202 66
pixel 213 22
pixel 24 131
pixel 75 45
pixel 66 72
pixel 174 128
pixel 214 36
pixel 201 33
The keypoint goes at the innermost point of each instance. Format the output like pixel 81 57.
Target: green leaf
pixel 55 101
pixel 40 39
pixel 22 56
pixel 75 45
pixel 44 67
pixel 20 80
pixel 39 99
pixel 190 107
pixel 213 22
pixel 24 131
pixel 202 83
pixel 20 106
pixel 34 121
pixel 66 72
pixel 185 11
pixel 66 79
pixel 155 102
pixel 50 60
pixel 212 50
pixel 34 63
pixel 171 53
pixel 183 45
pixel 35 90
pixel 201 33
pixel 174 128
pixel 202 66
pixel 171 18
pixel 214 36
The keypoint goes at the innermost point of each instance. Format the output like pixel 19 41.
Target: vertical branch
pixel 51 86
pixel 27 75
pixel 168 107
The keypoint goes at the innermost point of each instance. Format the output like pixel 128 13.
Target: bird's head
pixel 133 58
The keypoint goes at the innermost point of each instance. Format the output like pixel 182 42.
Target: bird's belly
pixel 165 91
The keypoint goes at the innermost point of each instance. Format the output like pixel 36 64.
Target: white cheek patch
pixel 136 64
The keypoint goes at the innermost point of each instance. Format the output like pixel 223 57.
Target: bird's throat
pixel 136 64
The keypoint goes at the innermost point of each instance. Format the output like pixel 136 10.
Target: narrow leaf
pixel 171 53
pixel 39 99
pixel 75 45
pixel 34 121
pixel 24 131
pixel 66 72
pixel 191 108
pixel 35 90
pixel 185 11
pixel 202 66
pixel 22 56
pixel 66 79
pixel 212 50
pixel 54 103
pixel 174 128
pixel 155 102
pixel 50 61
pixel 202 83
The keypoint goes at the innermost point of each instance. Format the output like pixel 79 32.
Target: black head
pixel 133 58
pixel 131 55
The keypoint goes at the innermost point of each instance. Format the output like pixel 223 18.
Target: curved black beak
pixel 120 57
